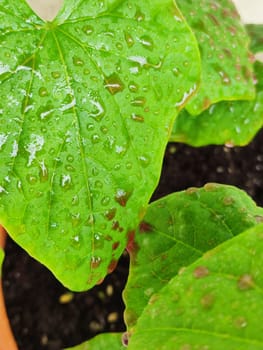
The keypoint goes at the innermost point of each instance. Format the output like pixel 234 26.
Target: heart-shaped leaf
pixel 255 32
pixel 223 42
pixel 227 122
pixel 216 303
pixel 87 103
pixel 112 341
pixel 176 231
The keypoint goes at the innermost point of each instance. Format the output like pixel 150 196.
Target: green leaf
pixel 112 341
pixel 223 42
pixel 176 231
pixel 234 123
pixel 216 303
pixel 255 32
pixel 87 103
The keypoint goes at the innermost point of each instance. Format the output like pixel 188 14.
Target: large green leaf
pixel 87 103
pixel 215 304
pixel 112 341
pixel 255 32
pixel 176 231
pixel 227 122
pixel 223 42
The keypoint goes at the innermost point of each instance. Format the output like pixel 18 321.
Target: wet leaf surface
pixel 233 123
pixel 176 231
pixel 215 303
pixel 86 108
pixel 223 43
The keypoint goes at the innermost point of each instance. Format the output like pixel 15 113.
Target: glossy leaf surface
pixel 216 303
pixel 227 122
pixel 112 341
pixel 255 32
pixel 87 102
pixel 176 231
pixel 223 42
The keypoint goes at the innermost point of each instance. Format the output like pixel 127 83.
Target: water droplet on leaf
pixel 95 138
pixel 138 101
pixel 129 39
pixel 240 322
pixel 95 262
pixel 105 201
pixel 133 87
pixel 55 75
pixel 110 214
pixel 42 92
pixel 114 84
pixel 77 61
pixel 122 197
pixel 144 160
pixel 88 29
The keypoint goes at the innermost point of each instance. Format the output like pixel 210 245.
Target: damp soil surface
pixel 44 315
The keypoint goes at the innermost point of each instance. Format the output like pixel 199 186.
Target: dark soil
pixel 39 318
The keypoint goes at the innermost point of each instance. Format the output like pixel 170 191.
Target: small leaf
pixel 177 230
pixel 223 42
pixel 87 103
pixel 218 309
pixel 112 341
pixel 233 123
pixel 255 32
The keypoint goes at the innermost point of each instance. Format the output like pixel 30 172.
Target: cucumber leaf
pixel 87 103
pixel 233 123
pixel 177 230
pixel 223 42
pixel 216 303
pixel 112 341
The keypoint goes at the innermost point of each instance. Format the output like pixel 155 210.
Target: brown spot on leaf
pixel 191 190
pixel 201 272
pixel 259 218
pixel 125 339
pixel 213 19
pixel 207 301
pixel 95 262
pixel 112 265
pixel 115 245
pixel 100 281
pixel 132 247
pixel 245 282
pixel 116 226
pixel 206 103
pixel 145 227
pixel 210 186
pixel 110 214
pixel 122 197
pixel 227 52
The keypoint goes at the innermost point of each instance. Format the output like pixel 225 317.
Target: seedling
pixel 89 102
